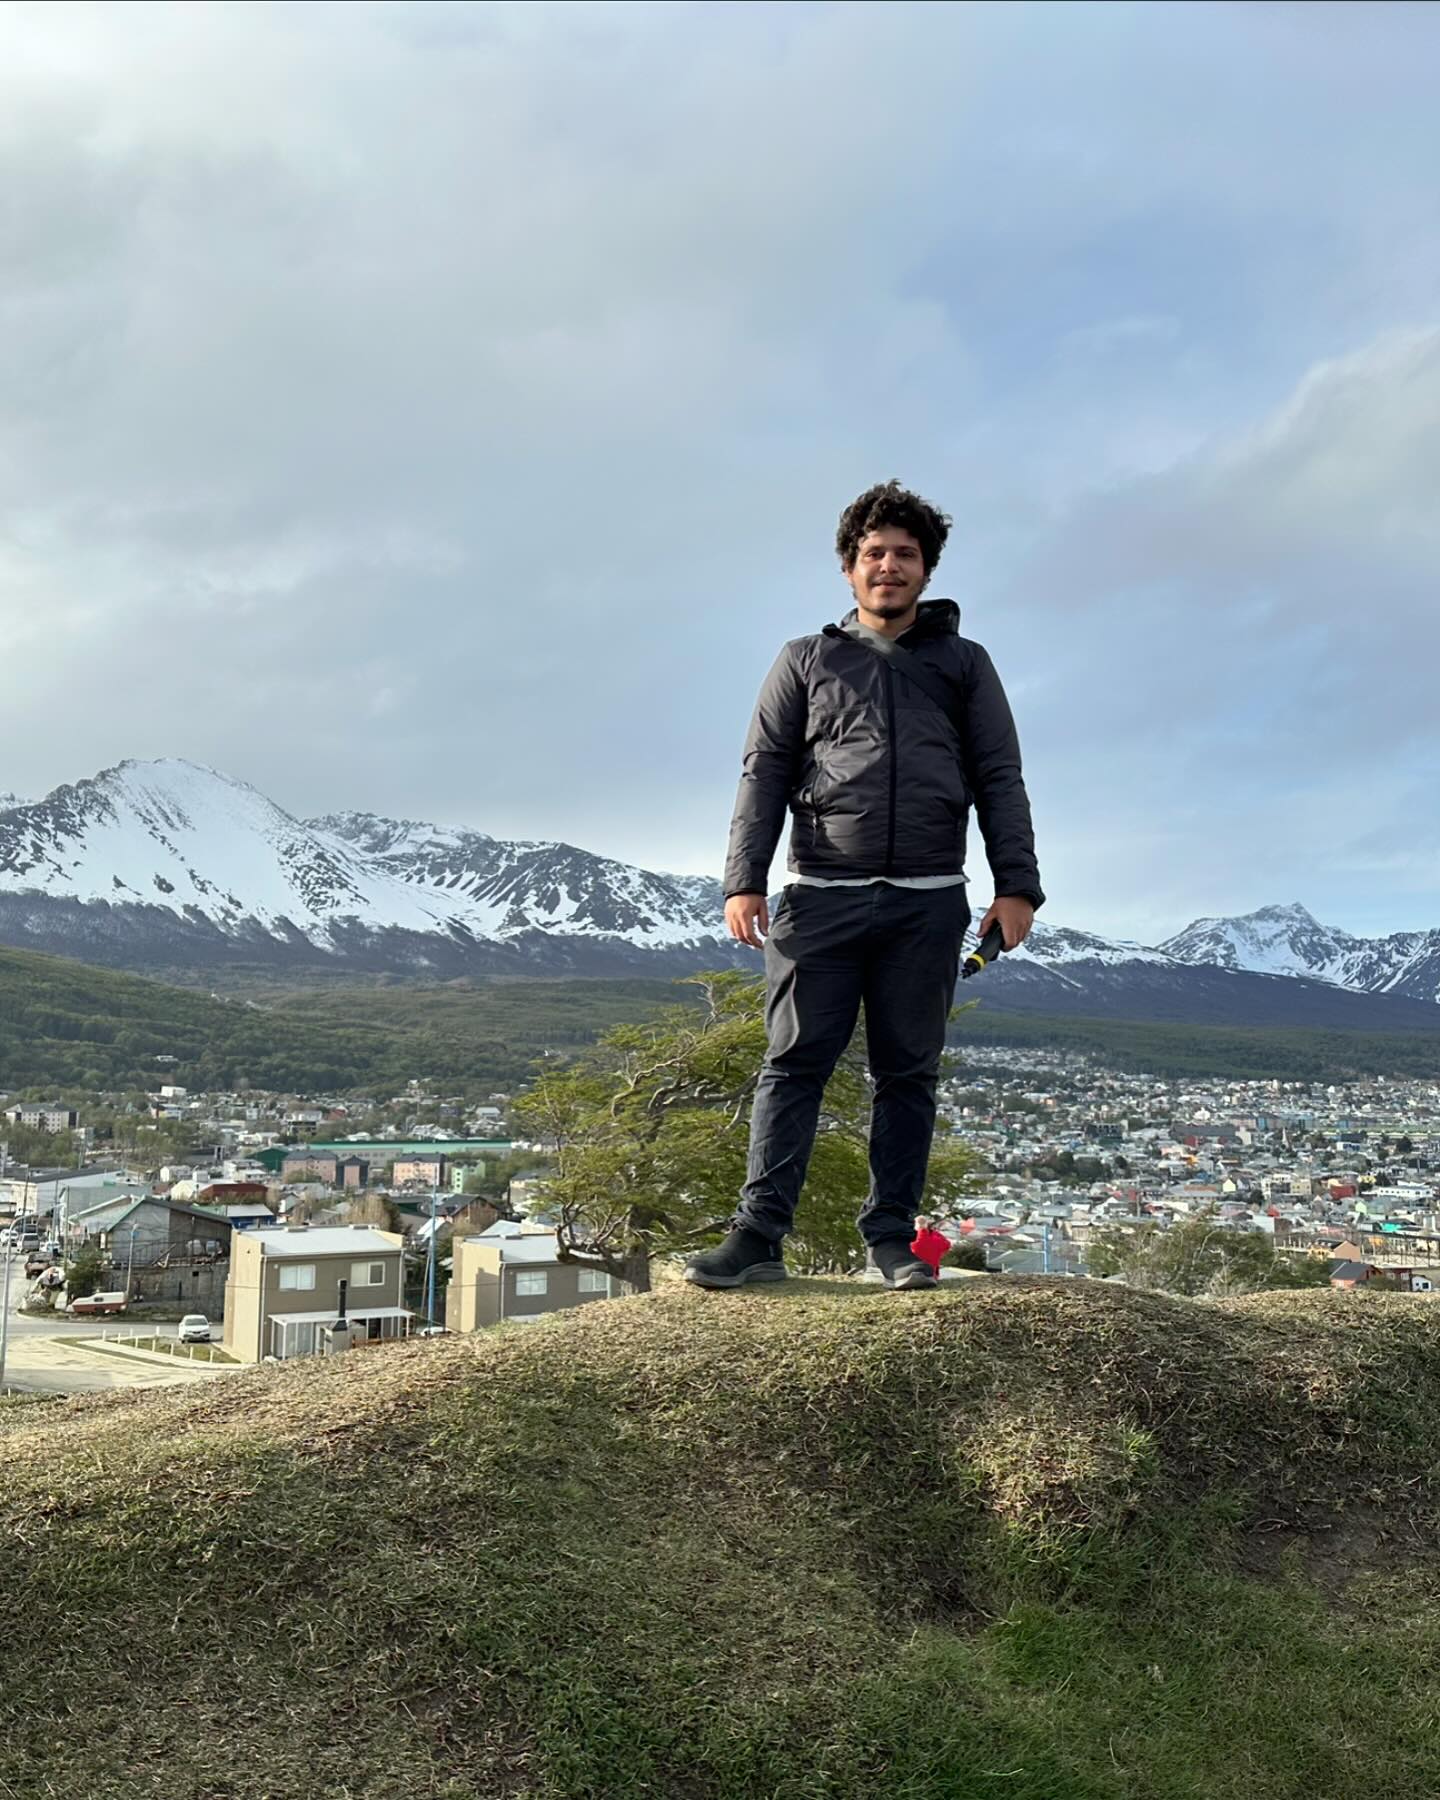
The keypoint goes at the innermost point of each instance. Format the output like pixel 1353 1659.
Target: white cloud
pixel 494 375
pixel 1252 636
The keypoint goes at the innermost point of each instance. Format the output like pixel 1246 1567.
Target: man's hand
pixel 747 918
pixel 1013 915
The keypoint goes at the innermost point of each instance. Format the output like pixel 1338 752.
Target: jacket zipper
pixel 894 748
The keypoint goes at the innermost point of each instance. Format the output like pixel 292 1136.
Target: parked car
pixel 88 1305
pixel 194 1329
pixel 22 1242
pixel 37 1262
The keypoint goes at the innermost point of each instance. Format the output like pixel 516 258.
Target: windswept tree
pixel 649 1133
pixel 1200 1256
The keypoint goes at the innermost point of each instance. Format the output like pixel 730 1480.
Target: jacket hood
pixel 934 618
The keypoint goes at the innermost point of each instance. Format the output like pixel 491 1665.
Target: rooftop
pixel 323 1240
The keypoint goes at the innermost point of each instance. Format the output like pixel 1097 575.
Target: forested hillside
pixel 1245 1052
pixel 65 1025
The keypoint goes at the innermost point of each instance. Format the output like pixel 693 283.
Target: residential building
pixel 250 1215
pixel 285 1288
pixel 143 1231
pixel 316 1165
pixel 36 1193
pixel 512 1272
pixel 226 1194
pixel 40 1116
pixel 419 1171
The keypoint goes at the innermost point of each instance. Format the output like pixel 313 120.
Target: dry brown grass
pixel 721 1545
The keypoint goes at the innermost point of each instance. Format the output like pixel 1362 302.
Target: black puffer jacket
pixel 873 771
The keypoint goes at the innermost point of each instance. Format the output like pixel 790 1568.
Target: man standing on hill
pixel 877 735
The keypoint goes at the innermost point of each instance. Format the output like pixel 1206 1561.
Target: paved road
pixel 48 1351
pixel 68 1365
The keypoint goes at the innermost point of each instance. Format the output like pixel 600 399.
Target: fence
pixel 193 1286
pixel 198 1286
pixel 161 1346
pixel 1382 1249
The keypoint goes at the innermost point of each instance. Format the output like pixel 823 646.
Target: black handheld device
pixel 985 952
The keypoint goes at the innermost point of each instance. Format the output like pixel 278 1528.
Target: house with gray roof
pixel 145 1230
pixel 288 1286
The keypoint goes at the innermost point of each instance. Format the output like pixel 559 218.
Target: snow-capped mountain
pixel 169 865
pixel 519 887
pixel 1288 940
pixel 1061 972
pixel 1056 945
pixel 166 862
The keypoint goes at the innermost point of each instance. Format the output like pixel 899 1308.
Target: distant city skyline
pixel 443 411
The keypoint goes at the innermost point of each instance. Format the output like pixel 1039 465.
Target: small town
pixel 299 1225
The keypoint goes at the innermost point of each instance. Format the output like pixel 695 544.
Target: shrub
pixel 83 1272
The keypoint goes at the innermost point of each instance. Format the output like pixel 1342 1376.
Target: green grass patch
pixel 169 1346
pixel 1041 1539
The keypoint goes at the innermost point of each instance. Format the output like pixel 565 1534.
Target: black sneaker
pixel 900 1266
pixel 744 1256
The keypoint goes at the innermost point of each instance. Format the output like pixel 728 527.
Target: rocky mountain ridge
pixel 169 864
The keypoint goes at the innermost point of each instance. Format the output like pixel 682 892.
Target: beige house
pixel 419 1171
pixel 283 1295
pixel 513 1273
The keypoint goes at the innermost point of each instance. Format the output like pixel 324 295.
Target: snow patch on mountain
pixel 176 861
pixel 538 886
pixel 1056 945
pixel 1289 940
pixel 190 840
pixel 1276 940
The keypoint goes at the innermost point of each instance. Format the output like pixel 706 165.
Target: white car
pixel 194 1329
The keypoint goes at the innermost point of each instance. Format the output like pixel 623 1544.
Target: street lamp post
pixel 430 1263
pixel 5 1316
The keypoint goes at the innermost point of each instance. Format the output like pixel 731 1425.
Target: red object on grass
pixel 930 1245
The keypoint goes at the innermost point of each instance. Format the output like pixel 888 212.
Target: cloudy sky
pixel 444 410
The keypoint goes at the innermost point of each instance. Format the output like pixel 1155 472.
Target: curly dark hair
pixel 887 503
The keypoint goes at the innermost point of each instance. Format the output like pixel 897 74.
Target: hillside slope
pixel 1039 1540
pixel 64 1024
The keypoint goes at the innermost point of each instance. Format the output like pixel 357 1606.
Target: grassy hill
pixel 1009 1541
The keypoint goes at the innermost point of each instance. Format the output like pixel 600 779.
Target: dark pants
pixel 898 950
